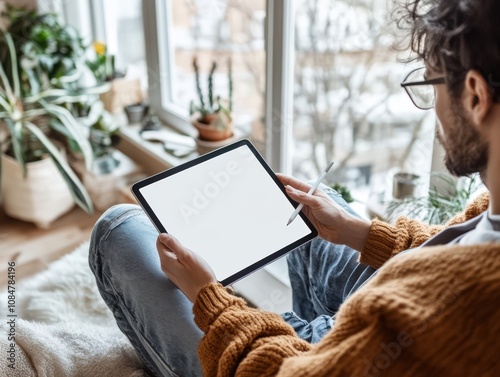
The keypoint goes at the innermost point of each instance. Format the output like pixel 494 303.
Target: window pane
pixel 125 36
pixel 219 31
pixel 348 103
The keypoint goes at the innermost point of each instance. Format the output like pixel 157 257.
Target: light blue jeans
pixel 156 316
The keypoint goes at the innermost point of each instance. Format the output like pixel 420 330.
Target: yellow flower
pixel 99 48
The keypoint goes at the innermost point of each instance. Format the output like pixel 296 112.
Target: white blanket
pixel 68 349
pixel 64 328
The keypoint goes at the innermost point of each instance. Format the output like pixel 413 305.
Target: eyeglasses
pixel 420 90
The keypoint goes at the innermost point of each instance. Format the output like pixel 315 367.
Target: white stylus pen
pixel 313 188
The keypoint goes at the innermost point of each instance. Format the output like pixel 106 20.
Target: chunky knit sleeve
pixel 240 340
pixel 385 240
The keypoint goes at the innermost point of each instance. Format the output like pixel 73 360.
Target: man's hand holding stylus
pixel 191 273
pixel 333 223
pixel 186 269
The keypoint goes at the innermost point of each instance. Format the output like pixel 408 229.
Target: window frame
pixel 279 65
pixel 158 52
pixel 280 62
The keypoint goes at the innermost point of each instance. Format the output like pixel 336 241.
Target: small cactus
pixel 210 109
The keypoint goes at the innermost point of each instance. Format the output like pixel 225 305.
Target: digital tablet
pixel 229 207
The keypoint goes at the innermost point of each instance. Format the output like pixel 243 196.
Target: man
pixel 421 300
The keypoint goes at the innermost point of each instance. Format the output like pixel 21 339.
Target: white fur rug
pixel 64 328
pixel 65 292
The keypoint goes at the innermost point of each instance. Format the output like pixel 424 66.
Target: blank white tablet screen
pixel 227 209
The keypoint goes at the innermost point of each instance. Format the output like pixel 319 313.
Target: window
pixel 117 23
pixel 332 90
pixel 225 32
pixel 123 31
pixel 348 103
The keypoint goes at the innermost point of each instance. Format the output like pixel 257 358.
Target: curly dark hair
pixel 453 37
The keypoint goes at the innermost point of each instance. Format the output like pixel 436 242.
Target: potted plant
pixel 122 91
pixel 438 206
pixel 103 65
pixel 49 52
pixel 405 185
pixel 108 173
pixel 102 133
pixel 31 114
pixel 343 191
pixel 212 117
pixel 136 112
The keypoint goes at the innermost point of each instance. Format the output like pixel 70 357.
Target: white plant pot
pixel 40 197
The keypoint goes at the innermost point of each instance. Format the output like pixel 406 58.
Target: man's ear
pixel 478 98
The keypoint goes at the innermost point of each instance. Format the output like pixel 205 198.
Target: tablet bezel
pixel 177 169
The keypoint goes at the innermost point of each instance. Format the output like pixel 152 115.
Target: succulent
pixel 211 108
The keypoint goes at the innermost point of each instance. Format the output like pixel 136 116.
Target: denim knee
pixel 112 218
pixel 337 198
pixel 101 231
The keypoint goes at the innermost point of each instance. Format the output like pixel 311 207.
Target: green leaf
pixel 5 80
pixel 3 93
pixel 30 114
pixel 16 131
pixel 5 105
pixel 56 125
pixel 80 195
pixel 68 99
pixel 69 122
pixel 15 73
pixel 71 77
pixel 98 89
pixel 33 80
pixel 45 94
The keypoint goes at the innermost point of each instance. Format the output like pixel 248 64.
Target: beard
pixel 466 152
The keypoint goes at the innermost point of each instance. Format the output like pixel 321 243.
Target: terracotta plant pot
pixel 209 131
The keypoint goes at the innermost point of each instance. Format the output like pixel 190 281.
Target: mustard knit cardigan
pixel 435 312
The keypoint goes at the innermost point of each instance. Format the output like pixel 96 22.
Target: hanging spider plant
pixel 21 112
